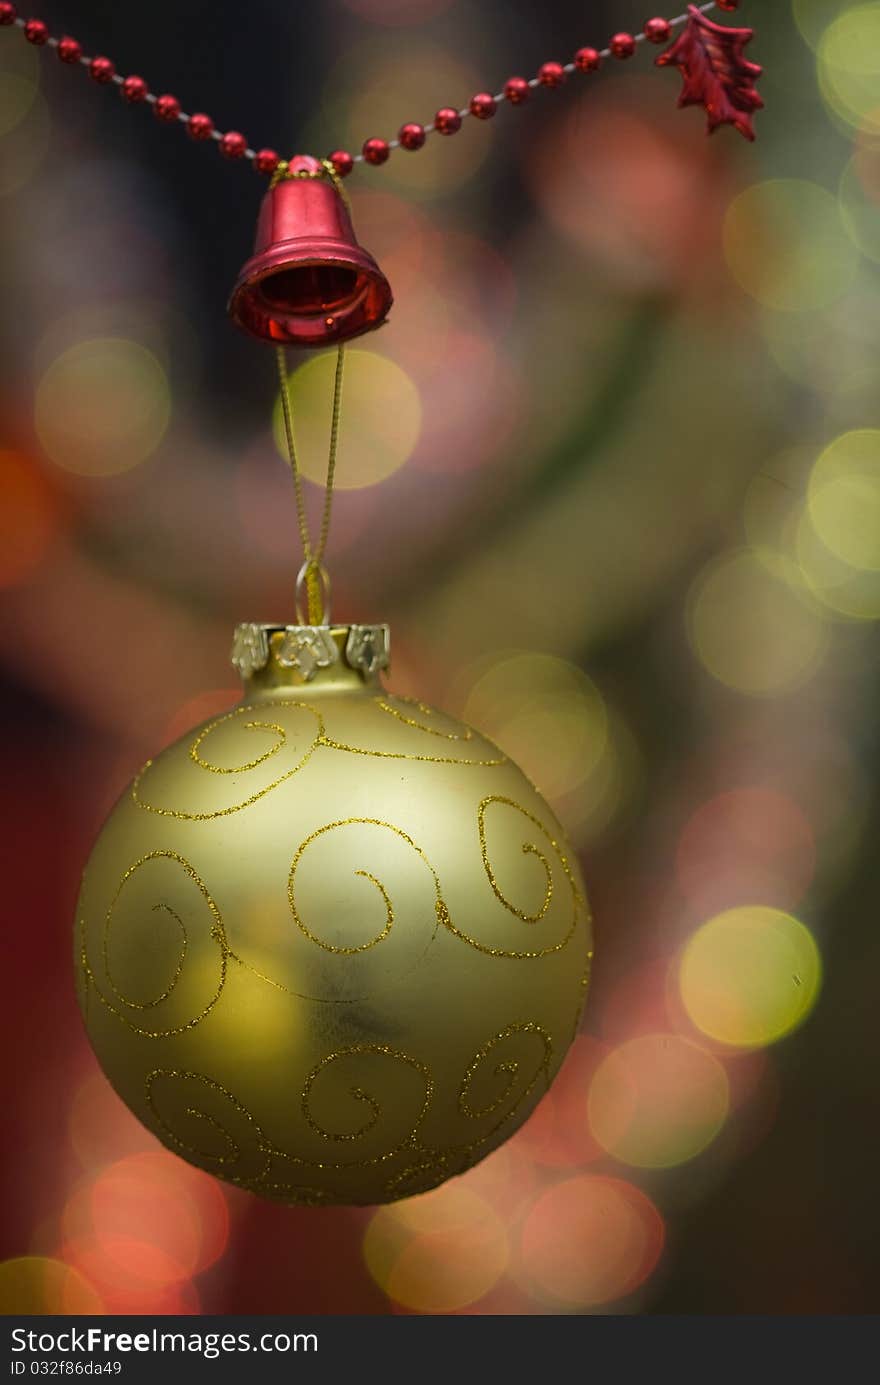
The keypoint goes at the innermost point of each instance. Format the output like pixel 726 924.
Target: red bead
pixel 35 31
pixel 483 105
pixel 376 151
pixel 657 30
pixel 342 162
pixel 551 75
pixel 69 50
pixel 447 121
pixel 134 89
pixel 622 46
pixel 587 59
pixel 101 70
pixel 516 90
pixel 8 13
pixel 233 144
pixel 411 136
pixel 167 107
pixel 729 5
pixel 200 126
pixel 266 161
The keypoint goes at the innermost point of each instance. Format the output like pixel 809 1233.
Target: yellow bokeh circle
pixel 437 1253
pixel 844 498
pixel 750 975
pixel 752 626
pixel 848 61
pixel 544 712
pixel 813 16
pixel 849 592
pixel 381 410
pixel 40 1285
pixel 786 244
pixel 102 406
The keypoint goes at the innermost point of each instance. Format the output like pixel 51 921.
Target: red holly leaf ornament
pixel 715 73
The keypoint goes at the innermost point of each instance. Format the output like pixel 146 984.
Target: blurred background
pixel 612 472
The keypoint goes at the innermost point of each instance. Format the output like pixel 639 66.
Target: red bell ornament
pixel 308 283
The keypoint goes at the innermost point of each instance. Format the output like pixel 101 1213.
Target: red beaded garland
pixel 233 145
pixel 447 121
pixel 376 151
pixel 483 105
pixel 167 107
pixel 587 59
pixel 101 70
pixel 551 74
pixel 342 161
pixel 35 31
pixel 622 46
pixel 516 90
pixel 657 30
pixel 266 161
pixel 411 136
pixel 69 49
pixel 134 89
pixel 200 126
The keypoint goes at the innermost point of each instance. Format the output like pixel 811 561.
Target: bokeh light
pixel 824 348
pixel 786 244
pixel 753 628
pixel 557 1134
pixel 750 975
pixel 545 712
pixel 41 1285
pixel 813 16
pixel 852 593
pixel 860 204
pixel 844 498
pixel 553 721
pixel 437 1253
pixel 383 416
pixel 151 1215
pixel 849 65
pixel 102 407
pixel 589 1241
pixel 158 1199
pixel 746 843
pixel 658 1100
pixel 132 1276
pixel 617 176
pixel 30 516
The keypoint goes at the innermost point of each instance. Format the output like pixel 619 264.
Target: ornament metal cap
pixel 308 283
pixel 269 657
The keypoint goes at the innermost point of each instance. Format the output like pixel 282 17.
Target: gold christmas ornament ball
pixel 331 946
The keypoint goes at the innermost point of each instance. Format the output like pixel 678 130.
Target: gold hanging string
pixel 313 567
pixel 313 573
